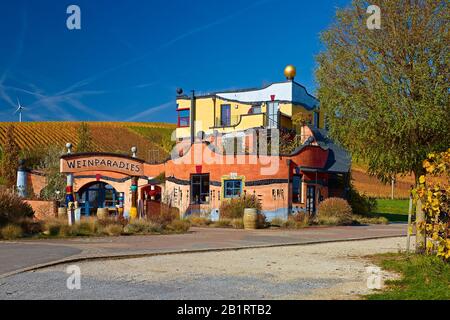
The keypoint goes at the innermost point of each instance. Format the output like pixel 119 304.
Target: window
pixel 199 188
pixel 183 118
pixel 316 119
pixel 255 109
pixel 232 188
pixel 225 115
pixel 297 194
pixel 272 114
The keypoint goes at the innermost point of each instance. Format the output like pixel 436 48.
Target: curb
pixel 166 253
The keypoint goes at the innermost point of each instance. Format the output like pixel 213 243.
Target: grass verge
pixel 394 210
pixel 422 277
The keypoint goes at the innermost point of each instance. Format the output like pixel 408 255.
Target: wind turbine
pixel 19 109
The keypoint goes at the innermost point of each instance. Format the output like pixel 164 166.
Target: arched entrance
pixel 95 195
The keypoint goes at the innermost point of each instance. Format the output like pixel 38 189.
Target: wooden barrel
pixel 62 212
pixel 102 213
pixel 250 218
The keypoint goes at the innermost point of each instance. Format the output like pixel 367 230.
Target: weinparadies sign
pixel 101 162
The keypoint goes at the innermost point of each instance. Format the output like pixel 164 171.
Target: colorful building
pixel 203 171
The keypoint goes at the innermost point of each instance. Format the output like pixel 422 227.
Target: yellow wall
pixel 206 106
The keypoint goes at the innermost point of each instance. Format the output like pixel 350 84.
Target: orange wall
pixel 43 209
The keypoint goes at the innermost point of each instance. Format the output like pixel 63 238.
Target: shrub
pixel 223 223
pixel 199 221
pixel 301 219
pixel 13 209
pixel 360 203
pixel 335 211
pixel 297 221
pixel 105 222
pixel 52 226
pixel 261 221
pixel 113 230
pixel 237 223
pixel 371 220
pixel 277 222
pixel 31 227
pixel 178 226
pixel 289 224
pixel 11 232
pixel 142 226
pixel 66 231
pixel 234 208
pixel 86 227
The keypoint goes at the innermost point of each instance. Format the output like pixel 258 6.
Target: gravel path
pixel 320 271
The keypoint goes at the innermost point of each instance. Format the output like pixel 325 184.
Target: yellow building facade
pixel 225 112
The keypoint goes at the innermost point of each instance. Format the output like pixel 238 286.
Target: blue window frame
pixel 225 114
pixel 232 188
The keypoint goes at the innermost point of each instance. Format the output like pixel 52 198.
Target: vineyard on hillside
pixel 151 139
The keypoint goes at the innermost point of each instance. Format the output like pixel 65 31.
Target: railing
pixel 244 120
pixel 227 122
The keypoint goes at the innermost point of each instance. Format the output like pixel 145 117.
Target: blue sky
pixel 130 56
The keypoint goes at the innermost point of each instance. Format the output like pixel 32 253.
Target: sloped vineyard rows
pixel 151 139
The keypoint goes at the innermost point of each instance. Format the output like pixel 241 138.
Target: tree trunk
pixel 421 238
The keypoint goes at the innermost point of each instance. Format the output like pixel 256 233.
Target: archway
pixel 96 195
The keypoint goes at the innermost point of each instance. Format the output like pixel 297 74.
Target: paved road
pixel 24 254
pixel 334 270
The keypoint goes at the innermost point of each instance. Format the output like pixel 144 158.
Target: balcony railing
pixel 245 121
pixel 227 122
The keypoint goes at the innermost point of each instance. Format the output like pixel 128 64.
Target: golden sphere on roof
pixel 290 72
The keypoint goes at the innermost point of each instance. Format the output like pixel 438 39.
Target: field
pixel 151 139
pixel 372 187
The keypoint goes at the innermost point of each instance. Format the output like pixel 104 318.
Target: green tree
pixel 84 138
pixel 385 92
pixel 10 158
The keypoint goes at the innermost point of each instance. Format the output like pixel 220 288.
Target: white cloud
pixel 150 111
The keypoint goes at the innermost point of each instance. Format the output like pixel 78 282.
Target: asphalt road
pixel 15 256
